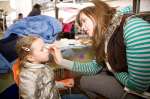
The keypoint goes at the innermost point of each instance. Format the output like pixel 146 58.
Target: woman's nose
pixel 83 29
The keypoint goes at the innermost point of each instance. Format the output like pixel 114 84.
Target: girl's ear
pixel 30 58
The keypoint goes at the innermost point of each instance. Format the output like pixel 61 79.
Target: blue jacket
pixel 45 26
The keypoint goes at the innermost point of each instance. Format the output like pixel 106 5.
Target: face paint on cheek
pixel 45 49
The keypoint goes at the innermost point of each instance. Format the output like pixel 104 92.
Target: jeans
pixel 74 96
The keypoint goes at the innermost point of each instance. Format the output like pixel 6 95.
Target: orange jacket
pixel 15 69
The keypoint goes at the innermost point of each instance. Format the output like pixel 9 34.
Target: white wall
pixel 145 5
pixel 25 6
pixel 18 6
pixel 21 6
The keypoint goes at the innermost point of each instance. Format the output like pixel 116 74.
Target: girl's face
pixel 87 24
pixel 39 51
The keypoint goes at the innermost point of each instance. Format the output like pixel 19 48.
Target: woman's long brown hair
pixel 102 15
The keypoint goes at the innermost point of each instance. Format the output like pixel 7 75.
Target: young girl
pixel 36 78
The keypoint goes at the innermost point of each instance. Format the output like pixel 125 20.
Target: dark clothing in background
pixel 12 92
pixel 35 12
pixel 8 47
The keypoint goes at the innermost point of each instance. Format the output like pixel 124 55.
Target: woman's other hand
pixel 56 52
pixel 68 82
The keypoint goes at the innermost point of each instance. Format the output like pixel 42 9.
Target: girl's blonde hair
pixel 102 15
pixel 23 47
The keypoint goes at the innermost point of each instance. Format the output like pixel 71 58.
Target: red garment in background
pixel 67 27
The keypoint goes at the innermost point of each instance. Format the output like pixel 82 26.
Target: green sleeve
pixel 89 68
pixel 122 77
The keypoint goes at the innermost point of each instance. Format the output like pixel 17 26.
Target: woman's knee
pixel 102 84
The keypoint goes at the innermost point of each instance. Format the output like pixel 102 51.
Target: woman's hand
pixel 56 52
pixel 67 82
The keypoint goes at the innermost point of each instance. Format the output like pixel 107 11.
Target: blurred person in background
pixel 36 10
pixel 19 17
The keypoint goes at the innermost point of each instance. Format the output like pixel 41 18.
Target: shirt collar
pixel 33 65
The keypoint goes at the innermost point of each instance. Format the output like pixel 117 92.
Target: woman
pixel 19 17
pixel 130 69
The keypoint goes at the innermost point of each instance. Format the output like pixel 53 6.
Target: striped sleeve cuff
pixel 122 77
pixel 67 64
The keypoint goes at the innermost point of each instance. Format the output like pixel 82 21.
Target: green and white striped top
pixel 137 40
